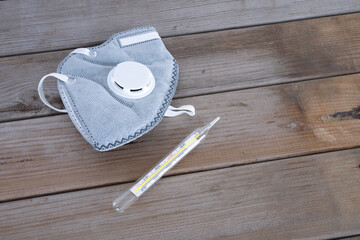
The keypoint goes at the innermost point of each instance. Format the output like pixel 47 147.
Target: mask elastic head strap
pixel 173 111
pixel 59 76
pixel 84 51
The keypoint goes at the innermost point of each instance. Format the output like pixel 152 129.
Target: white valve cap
pixel 131 80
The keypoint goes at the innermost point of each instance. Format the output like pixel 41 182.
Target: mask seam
pixel 107 65
pixel 154 122
pixel 109 92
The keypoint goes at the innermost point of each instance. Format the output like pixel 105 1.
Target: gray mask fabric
pixel 119 90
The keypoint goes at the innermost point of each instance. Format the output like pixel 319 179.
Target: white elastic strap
pixel 41 89
pixel 126 41
pixel 173 111
pixel 84 51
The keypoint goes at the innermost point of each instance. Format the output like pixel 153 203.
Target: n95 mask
pixel 119 90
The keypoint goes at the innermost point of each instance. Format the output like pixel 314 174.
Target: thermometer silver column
pixel 145 182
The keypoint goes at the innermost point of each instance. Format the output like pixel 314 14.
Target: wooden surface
pixel 295 118
pixel 40 25
pixel 283 162
pixel 306 197
pixel 212 62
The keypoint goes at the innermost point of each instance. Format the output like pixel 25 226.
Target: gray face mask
pixel 119 90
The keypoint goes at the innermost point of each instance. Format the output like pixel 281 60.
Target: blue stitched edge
pixel 106 65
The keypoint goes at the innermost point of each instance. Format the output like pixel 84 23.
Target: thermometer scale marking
pixel 150 178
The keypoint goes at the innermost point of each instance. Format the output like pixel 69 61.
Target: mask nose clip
pixel 131 80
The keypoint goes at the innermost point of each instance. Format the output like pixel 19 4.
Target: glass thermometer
pixel 145 182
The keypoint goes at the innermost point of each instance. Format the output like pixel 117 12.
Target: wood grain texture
pixel 39 25
pixel 212 62
pixel 313 197
pixel 47 155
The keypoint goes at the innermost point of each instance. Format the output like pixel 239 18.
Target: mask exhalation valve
pixel 131 80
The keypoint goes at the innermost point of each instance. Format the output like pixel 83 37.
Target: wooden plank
pixel 212 62
pixel 46 155
pixel 313 197
pixel 33 26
